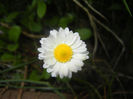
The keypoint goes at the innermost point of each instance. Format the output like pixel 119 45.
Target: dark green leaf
pixel 35 27
pixel 33 3
pixel 14 33
pixel 41 9
pixel 84 33
pixel 34 76
pixel 11 16
pixel 2 44
pixel 64 21
pixel 52 21
pixel 12 47
pixel 45 75
pixel 115 7
pixel 7 57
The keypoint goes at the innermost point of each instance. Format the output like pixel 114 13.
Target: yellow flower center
pixel 63 53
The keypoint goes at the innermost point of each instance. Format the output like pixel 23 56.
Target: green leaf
pixel 127 7
pixel 14 33
pixel 12 47
pixel 11 16
pixel 34 76
pixel 52 21
pixel 115 6
pixel 84 33
pixel 64 21
pixel 33 3
pixel 45 75
pixel 35 27
pixel 41 9
pixel 2 44
pixel 7 57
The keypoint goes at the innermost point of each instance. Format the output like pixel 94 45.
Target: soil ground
pixel 12 94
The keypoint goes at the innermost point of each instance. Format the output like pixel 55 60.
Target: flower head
pixel 62 52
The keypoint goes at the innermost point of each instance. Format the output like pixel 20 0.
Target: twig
pixel 93 9
pixel 22 84
pixel 3 91
pixel 103 45
pixel 119 40
pixel 121 92
pixel 104 93
pixel 125 76
pixel 30 35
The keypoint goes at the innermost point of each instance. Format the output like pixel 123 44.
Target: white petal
pixel 41 56
pixel 40 49
pixel 42 40
pixel 67 32
pixel 64 70
pixel 48 54
pixel 71 39
pixel 49 70
pixel 87 57
pixel 77 62
pixel 49 43
pixel 61 71
pixel 77 44
pixel 61 29
pixel 53 74
pixel 80 50
pixel 72 67
pixel 45 66
pixel 50 61
pixel 53 33
pixel 61 76
pixel 80 56
pixel 70 74
pixel 61 35
pixel 56 68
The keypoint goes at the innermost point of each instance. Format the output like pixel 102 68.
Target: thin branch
pixel 119 40
pixel 96 11
pixel 125 76
pixel 30 35
pixel 121 92
pixel 103 45
pixel 104 97
pixel 3 91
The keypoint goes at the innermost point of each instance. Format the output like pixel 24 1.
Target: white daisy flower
pixel 63 53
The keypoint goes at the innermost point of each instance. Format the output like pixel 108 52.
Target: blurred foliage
pixel 84 33
pixel 23 21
